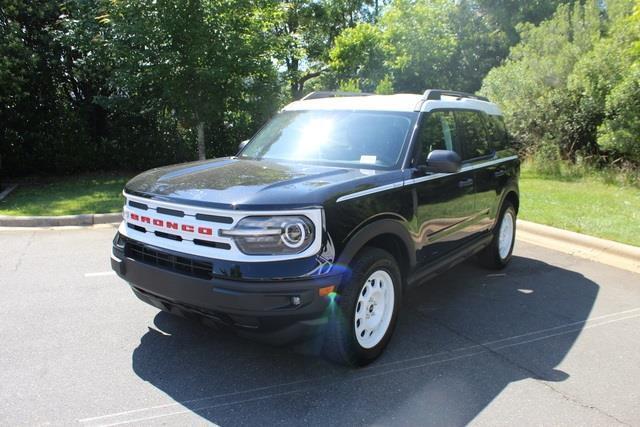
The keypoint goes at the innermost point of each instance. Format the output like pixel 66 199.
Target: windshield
pixel 364 139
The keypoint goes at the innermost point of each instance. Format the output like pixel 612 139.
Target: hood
pixel 239 183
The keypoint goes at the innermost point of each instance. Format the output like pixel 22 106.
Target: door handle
pixel 465 183
pixel 499 173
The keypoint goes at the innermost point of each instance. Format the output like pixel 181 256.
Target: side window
pixel 473 134
pixel 497 133
pixel 437 132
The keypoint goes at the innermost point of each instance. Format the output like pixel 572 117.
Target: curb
pixel 59 221
pixel 604 251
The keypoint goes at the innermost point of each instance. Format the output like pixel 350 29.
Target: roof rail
pixel 437 94
pixel 329 94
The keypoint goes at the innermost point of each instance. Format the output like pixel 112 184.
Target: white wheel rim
pixel 374 309
pixel 505 239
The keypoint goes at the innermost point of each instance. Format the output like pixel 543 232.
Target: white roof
pixel 401 102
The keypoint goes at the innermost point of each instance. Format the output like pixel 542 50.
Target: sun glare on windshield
pixel 365 139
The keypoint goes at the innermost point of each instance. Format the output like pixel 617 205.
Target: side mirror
pixel 443 161
pixel 242 145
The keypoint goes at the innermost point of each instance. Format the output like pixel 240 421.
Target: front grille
pixel 214 218
pixel 178 264
pixel 171 212
pixel 138 205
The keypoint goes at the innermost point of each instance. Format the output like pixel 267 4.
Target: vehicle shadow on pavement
pixel 460 340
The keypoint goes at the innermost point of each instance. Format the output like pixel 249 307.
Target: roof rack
pixel 329 94
pixel 437 94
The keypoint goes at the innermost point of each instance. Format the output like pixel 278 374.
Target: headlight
pixel 275 235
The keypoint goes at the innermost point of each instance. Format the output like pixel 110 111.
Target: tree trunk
pixel 201 149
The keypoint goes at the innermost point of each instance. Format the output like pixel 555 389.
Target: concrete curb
pixel 59 221
pixel 616 254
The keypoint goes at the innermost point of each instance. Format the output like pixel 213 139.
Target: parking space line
pixel 133 411
pixel 100 274
pixel 288 392
pixel 472 350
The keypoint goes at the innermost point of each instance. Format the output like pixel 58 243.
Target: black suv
pixel 325 217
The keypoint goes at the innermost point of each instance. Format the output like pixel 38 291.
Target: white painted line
pixel 473 350
pixel 85 420
pixel 100 274
pixel 288 392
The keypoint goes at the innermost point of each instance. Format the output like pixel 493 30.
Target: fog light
pixel 296 301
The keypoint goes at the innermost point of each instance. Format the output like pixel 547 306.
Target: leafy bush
pixel 577 85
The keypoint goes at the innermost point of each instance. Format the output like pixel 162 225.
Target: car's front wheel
pixel 364 314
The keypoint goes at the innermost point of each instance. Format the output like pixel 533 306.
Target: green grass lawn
pixel 67 196
pixel 587 205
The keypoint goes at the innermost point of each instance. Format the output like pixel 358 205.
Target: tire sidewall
pixel 507 208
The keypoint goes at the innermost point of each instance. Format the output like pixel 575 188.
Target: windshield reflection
pixel 364 139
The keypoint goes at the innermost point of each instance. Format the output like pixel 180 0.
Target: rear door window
pixel 497 133
pixel 473 134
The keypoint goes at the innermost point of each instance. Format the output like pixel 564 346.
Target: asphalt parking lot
pixel 553 339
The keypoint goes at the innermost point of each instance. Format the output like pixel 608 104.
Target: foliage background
pixel 90 85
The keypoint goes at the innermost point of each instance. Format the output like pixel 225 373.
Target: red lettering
pixel 205 230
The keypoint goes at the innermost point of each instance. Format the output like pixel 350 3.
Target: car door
pixel 478 155
pixel 492 173
pixel 443 203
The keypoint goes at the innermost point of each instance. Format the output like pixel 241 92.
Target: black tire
pixel 340 342
pixel 490 256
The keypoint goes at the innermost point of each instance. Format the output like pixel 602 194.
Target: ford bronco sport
pixel 325 217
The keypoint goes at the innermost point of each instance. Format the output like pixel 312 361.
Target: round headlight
pixel 293 234
pixel 272 235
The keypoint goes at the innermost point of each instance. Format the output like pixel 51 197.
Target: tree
pixel 507 14
pixel 418 45
pixel 39 121
pixel 361 54
pixel 309 30
pixel 609 79
pixel 577 82
pixel 201 59
pixel 480 47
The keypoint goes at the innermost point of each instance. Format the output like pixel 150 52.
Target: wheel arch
pixel 387 234
pixel 511 196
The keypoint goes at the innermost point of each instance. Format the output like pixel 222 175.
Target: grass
pixel 96 193
pixel 586 203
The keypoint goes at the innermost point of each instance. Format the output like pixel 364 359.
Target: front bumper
pixel 279 312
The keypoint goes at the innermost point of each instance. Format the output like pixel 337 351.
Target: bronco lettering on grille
pixel 170 225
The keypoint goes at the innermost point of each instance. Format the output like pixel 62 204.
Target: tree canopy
pixel 577 83
pixel 106 84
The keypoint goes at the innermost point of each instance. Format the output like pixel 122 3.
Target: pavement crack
pixel 23 253
pixel 530 372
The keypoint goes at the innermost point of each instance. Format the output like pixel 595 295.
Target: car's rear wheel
pixel 498 254
pixel 364 315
